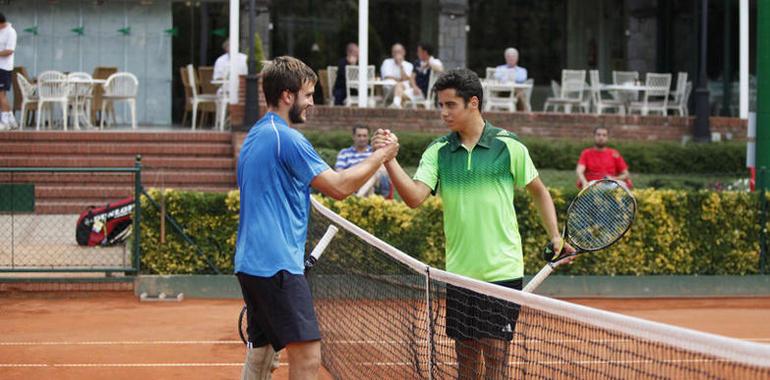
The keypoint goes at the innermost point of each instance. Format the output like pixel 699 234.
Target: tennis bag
pixel 108 225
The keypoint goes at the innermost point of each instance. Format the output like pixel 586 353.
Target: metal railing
pixel 41 238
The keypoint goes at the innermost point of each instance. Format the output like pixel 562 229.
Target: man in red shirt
pixel 600 162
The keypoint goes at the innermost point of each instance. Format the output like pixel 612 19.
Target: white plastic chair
pixel 52 88
pixel 601 104
pixel 528 95
pixel 29 98
pixel 331 77
pixel 624 77
pixel 498 96
pixel 655 97
pixel 426 100
pixel 80 94
pixel 121 86
pixel 351 83
pixel 678 104
pixel 572 87
pixel 490 73
pixel 197 98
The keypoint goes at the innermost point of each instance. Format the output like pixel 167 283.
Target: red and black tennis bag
pixel 108 225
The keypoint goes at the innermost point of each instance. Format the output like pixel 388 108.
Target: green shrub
pixel 643 157
pixel 676 232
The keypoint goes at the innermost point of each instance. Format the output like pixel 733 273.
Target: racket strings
pixel 600 215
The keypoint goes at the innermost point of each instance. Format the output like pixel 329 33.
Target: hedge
pixel 643 157
pixel 676 232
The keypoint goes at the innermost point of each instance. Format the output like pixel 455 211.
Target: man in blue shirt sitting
pixel 359 151
pixel 276 167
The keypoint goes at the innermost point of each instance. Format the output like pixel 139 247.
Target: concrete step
pixel 155 162
pixel 168 137
pixel 150 178
pixel 193 149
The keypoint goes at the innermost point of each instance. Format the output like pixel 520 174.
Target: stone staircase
pixel 202 161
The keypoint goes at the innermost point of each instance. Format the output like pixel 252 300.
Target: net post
pixel 430 324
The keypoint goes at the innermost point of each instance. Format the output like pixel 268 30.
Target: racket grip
pixel 549 254
pixel 319 249
pixel 540 277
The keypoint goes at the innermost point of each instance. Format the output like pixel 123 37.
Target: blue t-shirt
pixel 275 168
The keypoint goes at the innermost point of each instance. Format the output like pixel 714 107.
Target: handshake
pixel 386 142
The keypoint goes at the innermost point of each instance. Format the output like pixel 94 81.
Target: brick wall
pixel 525 124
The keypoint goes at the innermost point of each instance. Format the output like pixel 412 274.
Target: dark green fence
pixel 39 209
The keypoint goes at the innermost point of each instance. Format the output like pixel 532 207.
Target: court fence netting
pixel 383 315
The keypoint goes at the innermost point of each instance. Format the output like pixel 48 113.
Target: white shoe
pixel 4 127
pixel 12 124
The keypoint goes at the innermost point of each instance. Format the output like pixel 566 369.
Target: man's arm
pixel 436 65
pixel 412 192
pixel 339 185
pixel 6 52
pixel 547 211
pixel 581 174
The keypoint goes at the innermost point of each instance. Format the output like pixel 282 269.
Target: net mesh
pixel 385 315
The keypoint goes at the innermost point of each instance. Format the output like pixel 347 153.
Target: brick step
pixel 195 149
pixel 48 193
pixel 150 178
pixel 76 206
pixel 155 162
pixel 115 136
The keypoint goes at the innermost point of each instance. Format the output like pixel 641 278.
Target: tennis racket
pixel 310 261
pixel 597 218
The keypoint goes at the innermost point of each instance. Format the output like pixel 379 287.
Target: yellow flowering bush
pixel 675 232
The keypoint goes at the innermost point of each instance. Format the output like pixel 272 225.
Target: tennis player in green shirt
pixel 475 169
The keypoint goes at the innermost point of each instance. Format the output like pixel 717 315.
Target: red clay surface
pixel 113 335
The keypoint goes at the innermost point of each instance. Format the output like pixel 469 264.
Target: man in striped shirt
pixel 358 152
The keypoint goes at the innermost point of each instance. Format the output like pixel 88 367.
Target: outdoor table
pixel 79 82
pixel 627 92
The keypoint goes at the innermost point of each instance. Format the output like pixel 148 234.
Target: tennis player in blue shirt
pixel 276 167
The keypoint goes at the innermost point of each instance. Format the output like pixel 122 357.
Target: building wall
pixel 145 52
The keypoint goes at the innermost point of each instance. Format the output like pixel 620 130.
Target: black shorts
pixel 279 309
pixel 5 80
pixel 470 315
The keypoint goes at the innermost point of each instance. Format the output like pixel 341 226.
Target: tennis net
pixel 384 314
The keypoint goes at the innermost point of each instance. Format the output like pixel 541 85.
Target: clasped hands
pixel 385 140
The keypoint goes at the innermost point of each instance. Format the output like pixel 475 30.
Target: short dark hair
pixel 360 126
pixel 465 82
pixel 426 46
pixel 2 18
pixel 285 73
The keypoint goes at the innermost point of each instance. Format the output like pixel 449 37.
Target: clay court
pixel 113 335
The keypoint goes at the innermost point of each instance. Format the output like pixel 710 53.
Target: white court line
pixel 97 365
pixel 129 342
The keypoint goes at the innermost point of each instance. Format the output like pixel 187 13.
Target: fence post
pixel 761 182
pixel 137 212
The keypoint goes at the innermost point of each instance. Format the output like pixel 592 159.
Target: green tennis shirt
pixel 476 187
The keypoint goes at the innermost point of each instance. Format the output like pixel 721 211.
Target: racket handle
pixel 319 249
pixel 540 277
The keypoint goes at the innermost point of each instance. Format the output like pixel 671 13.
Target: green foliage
pixel 204 217
pixel 675 232
pixel 259 53
pixel 642 157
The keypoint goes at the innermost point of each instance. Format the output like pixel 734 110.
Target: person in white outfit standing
pixel 7 48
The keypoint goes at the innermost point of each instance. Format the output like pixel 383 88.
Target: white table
pixel 79 83
pixel 494 88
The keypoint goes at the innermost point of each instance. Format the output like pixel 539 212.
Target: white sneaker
pixel 4 127
pixel 12 124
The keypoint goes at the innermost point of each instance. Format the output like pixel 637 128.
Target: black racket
pixel 310 261
pixel 597 218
